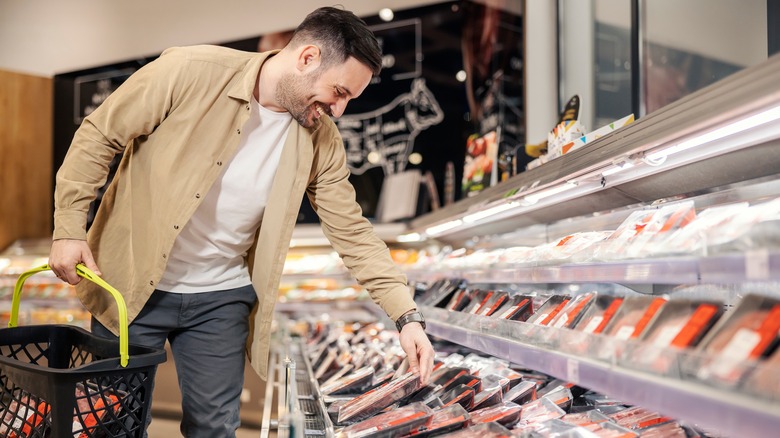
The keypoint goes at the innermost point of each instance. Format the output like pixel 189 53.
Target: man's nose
pixel 337 109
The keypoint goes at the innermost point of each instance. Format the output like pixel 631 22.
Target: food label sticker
pixel 625 332
pixel 541 318
pixel 594 323
pixel 757 264
pixel 737 350
pixel 666 335
pixel 562 320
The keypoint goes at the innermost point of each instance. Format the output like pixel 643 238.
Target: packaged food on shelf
pixel 460 394
pixel 549 309
pixel 484 430
pixel 516 308
pixel 440 292
pixel 570 315
pixel 522 393
pixel 377 399
pixel 443 420
pixel 395 423
pixel 638 418
pixel 633 316
pixel 744 335
pixel 493 303
pixel 489 396
pixel 598 316
pixel 352 383
pixel 505 414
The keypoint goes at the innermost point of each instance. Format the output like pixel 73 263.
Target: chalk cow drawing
pixel 389 131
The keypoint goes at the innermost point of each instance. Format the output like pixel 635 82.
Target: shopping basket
pixel 59 381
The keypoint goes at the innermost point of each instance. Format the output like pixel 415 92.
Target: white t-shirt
pixel 208 255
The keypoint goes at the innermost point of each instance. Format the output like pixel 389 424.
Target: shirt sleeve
pixel 132 110
pixel 351 235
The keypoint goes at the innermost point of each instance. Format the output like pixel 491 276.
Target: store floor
pixel 169 428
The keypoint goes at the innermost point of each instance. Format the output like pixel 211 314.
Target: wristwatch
pixel 410 317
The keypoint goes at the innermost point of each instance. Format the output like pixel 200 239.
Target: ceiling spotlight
pixel 386 14
pixel 415 158
pixel 460 76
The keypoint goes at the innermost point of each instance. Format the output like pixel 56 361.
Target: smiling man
pixel 219 147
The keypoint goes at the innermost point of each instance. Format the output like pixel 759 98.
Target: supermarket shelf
pixel 725 411
pixel 761 265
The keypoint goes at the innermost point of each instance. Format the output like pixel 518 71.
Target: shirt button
pixel 197 195
pixel 151 283
pixel 219 163
pixel 165 256
pixel 175 227
pixel 238 131
pixel 247 107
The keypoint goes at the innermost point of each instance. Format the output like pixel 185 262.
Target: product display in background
pixel 468 394
pixel 480 169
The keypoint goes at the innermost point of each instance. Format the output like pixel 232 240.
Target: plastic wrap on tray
pixel 561 396
pixel 460 299
pixel 539 411
pixel 747 333
pixel 484 430
pixel 443 420
pixel 505 413
pixel 638 418
pixel 494 302
pixel 379 398
pixel 516 308
pixel 479 298
pixel 441 292
pixel 633 316
pixel 522 393
pixel 461 394
pixel 678 325
pixel 492 380
pixel 671 429
pixel 395 423
pixel 549 310
pixel 352 383
pixel 597 316
pixel 585 419
pixel 765 379
pixel 570 315
pixel 708 227
pixel 490 396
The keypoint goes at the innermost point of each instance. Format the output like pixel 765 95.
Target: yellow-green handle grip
pixel 84 272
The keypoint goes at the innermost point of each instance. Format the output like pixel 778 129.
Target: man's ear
pixel 309 58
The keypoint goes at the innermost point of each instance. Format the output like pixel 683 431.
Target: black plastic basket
pixel 60 381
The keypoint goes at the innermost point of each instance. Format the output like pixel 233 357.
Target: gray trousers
pixel 207 332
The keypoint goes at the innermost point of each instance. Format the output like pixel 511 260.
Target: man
pixel 219 147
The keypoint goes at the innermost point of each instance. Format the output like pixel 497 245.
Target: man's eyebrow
pixel 346 90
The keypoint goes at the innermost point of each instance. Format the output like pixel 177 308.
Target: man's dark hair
pixel 339 34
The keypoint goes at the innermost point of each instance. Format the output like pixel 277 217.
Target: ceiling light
pixel 617 168
pixel 386 14
pixel 411 237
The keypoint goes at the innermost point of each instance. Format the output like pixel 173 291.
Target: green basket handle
pixel 84 272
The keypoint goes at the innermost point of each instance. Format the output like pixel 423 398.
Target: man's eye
pixel 339 92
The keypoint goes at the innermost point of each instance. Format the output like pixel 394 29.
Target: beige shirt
pixel 178 120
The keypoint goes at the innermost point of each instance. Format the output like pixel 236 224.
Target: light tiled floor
pixel 169 428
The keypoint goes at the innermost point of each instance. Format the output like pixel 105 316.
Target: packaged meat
pixel 443 420
pixel 765 380
pixel 597 316
pixel 549 309
pixel 671 429
pixel 561 396
pixel 682 323
pixel 460 299
pixel 377 399
pixel 395 423
pixel 633 316
pixel 516 308
pixel 461 394
pixel 328 366
pixel 747 333
pixel 479 299
pixel 638 418
pixel 488 397
pixel 539 411
pixel 441 292
pixel 570 315
pixel 494 302
pixel 586 419
pixel 484 430
pixel 353 383
pixel 522 393
pixel 505 414
pixel 493 380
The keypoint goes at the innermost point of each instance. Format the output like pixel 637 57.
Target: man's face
pixel 308 96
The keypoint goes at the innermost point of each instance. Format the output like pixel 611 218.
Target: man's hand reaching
pixel 418 350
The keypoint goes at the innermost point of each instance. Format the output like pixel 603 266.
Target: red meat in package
pixel 506 414
pixel 443 420
pixel 747 334
pixel 397 422
pixel 633 316
pixel 377 399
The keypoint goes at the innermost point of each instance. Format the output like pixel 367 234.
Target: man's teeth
pixel 319 110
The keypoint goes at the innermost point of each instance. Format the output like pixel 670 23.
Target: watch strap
pixel 410 317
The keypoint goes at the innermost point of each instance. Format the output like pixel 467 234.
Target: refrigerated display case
pixel 703 175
